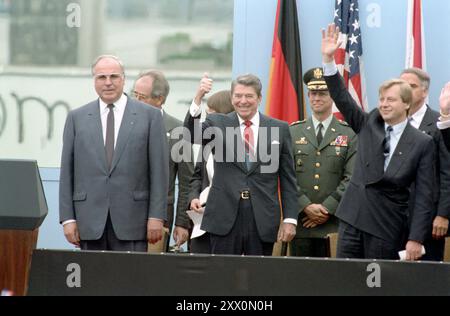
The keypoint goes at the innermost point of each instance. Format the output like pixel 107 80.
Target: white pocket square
pixel 275 142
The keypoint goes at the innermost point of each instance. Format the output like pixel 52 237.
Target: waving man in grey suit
pixel 114 168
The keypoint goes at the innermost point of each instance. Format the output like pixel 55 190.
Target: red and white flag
pixel 349 55
pixel 415 41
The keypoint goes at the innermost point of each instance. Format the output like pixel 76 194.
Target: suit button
pixel 317 176
pixel 318 165
pixel 316 187
pixel 318 153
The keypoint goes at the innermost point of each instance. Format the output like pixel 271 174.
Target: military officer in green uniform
pixel 324 151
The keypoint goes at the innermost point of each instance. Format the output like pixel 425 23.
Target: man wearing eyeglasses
pixel 151 87
pixel 114 168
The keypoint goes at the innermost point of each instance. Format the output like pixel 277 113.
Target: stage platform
pixel 114 273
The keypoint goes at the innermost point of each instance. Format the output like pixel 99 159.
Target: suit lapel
pixel 128 121
pixel 96 131
pixel 428 122
pixel 401 151
pixel 169 122
pixel 379 133
pixel 376 152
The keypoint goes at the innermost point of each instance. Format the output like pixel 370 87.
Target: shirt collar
pixel 418 116
pixel 118 105
pixel 397 129
pixel 326 123
pixel 255 120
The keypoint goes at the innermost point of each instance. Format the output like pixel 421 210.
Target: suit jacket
pixel 232 176
pixel 133 190
pixel 183 170
pixel 323 172
pixel 199 180
pixel 441 184
pixel 446 137
pixel 376 202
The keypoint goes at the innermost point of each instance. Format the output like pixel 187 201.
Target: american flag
pixel 349 55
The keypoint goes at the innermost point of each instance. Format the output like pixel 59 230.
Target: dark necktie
pixel 319 134
pixel 109 141
pixel 386 141
pixel 249 143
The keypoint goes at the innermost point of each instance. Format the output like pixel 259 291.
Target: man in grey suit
pixel 114 168
pixel 151 87
pixel 252 154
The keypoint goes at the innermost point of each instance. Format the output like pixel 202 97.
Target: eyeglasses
pixel 140 96
pixel 112 77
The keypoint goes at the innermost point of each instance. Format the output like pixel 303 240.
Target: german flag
pixel 285 99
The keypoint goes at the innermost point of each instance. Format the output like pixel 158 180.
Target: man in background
pixel 324 153
pixel 422 117
pixel 152 88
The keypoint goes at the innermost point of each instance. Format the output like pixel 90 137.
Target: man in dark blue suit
pixel 391 156
pixel 252 155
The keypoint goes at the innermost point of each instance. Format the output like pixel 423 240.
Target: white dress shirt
pixel 443 125
pixel 329 69
pixel 416 119
pixel 255 128
pixel 118 110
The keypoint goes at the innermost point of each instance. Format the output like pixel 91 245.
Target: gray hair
pixel 104 57
pixel 248 80
pixel 160 86
pixel 422 75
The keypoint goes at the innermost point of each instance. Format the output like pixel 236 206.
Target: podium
pixel 22 210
